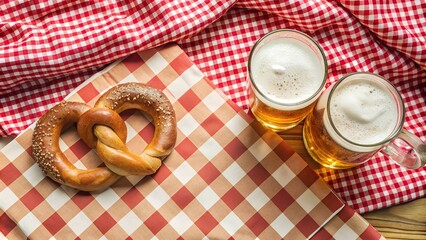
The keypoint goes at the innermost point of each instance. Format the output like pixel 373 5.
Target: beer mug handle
pixel 409 158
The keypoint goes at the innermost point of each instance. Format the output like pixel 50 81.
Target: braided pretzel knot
pixel 103 128
pixel 111 148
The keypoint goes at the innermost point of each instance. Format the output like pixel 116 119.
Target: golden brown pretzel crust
pixel 100 116
pixel 103 128
pixel 47 153
pixel 150 100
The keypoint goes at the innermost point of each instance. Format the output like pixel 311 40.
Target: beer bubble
pixel 363 112
pixel 287 71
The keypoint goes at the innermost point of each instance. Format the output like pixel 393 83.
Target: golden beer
pixel 287 72
pixel 324 150
pixel 278 120
pixel 358 116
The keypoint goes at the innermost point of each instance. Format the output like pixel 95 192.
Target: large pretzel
pixel 47 153
pixel 103 128
pixel 111 149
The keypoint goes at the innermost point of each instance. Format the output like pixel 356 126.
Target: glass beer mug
pixel 358 116
pixel 287 71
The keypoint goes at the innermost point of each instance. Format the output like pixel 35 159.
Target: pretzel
pixel 112 149
pixel 102 128
pixel 52 161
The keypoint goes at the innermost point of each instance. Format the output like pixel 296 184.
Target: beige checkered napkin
pixel 228 177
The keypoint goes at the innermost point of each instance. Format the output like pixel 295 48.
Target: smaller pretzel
pixel 52 161
pixel 112 149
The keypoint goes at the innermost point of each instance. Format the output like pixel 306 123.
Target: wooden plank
pixel 405 221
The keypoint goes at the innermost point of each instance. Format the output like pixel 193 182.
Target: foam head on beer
pixel 287 71
pixel 363 111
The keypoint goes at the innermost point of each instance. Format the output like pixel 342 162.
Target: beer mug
pixel 287 71
pixel 358 116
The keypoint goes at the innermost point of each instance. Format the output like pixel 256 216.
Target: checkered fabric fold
pixel 49 48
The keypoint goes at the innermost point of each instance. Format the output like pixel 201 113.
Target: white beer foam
pixel 363 111
pixel 287 71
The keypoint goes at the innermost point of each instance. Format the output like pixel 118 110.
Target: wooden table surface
pixel 404 221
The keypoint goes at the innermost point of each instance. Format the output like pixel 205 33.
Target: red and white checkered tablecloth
pixel 49 48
